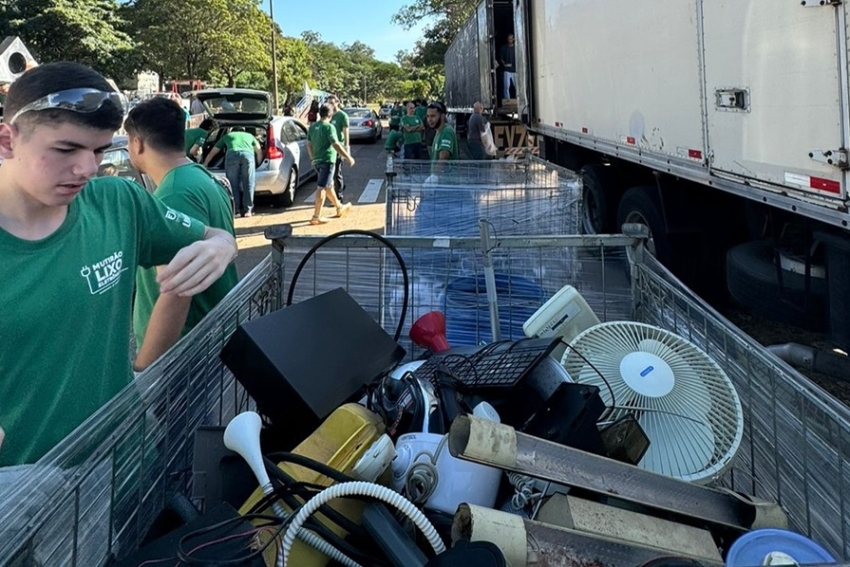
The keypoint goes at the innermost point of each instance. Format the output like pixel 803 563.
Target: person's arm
pixel 310 149
pixel 195 150
pixel 213 152
pixel 258 151
pixel 197 266
pixel 344 153
pixel 165 326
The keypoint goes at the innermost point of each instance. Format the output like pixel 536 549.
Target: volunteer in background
pixel 444 148
pixel 340 122
pixel 396 113
pixel 70 246
pixel 242 149
pixel 412 128
pixel 195 138
pixel 155 141
pixel 476 126
pixel 323 146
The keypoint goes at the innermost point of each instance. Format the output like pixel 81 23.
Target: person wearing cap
pixel 444 147
pixel 71 243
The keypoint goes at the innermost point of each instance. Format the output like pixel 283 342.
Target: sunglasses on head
pixel 76 100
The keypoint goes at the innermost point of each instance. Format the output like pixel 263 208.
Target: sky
pixel 347 22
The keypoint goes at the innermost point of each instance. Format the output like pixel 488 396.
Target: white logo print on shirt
pixel 105 274
pixel 173 215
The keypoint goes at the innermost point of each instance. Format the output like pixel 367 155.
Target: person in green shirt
pixel 155 132
pixel 393 140
pixel 412 127
pixel 395 116
pixel 340 121
pixel 239 166
pixel 70 245
pixel 444 147
pixel 195 138
pixel 323 145
pixel 427 134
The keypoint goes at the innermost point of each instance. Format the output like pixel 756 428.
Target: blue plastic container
pixel 751 549
pixel 468 312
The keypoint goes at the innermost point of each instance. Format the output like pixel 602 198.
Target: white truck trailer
pixel 721 125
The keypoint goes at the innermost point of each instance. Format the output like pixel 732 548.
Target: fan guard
pixel 682 399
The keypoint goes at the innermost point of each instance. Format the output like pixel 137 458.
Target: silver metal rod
pixel 490 281
pixel 499 445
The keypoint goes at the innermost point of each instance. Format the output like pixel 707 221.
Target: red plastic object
pixel 429 331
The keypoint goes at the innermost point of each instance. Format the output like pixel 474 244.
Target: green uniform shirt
pixel 395 116
pixel 421 112
pixel 192 190
pixel 412 137
pixel 238 142
pixel 340 121
pixel 322 136
pixel 393 139
pixel 65 324
pixel 445 140
pixel 194 136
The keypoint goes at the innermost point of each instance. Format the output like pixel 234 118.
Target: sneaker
pixel 318 220
pixel 340 212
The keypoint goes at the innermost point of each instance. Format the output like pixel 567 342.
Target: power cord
pixel 357 232
pixel 422 478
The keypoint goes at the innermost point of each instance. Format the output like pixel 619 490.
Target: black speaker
pixel 302 362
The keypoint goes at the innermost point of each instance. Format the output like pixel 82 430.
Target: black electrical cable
pixel 185 556
pixel 357 232
pixel 610 408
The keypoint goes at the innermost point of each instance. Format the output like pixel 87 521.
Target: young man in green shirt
pixel 341 122
pixel 412 127
pixel 70 245
pixel 395 116
pixel 195 138
pixel 240 166
pixel 444 147
pixel 323 145
pixel 155 130
pixel 392 143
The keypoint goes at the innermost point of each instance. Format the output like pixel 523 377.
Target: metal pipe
pixel 499 445
pixel 526 543
pixel 490 281
pixel 824 362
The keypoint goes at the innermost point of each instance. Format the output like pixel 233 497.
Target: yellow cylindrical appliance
pixel 339 442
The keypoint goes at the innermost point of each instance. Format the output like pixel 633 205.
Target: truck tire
pixel 597 211
pixel 640 205
pixel 753 282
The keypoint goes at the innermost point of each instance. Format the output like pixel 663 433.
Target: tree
pixel 247 48
pixel 293 65
pixel 85 31
pixel 449 16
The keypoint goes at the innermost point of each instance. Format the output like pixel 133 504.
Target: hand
pixel 350 160
pixel 197 266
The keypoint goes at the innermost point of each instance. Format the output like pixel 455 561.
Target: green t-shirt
pixel 412 137
pixel 238 142
pixel 392 140
pixel 322 136
pixel 421 112
pixel 395 116
pixel 194 136
pixel 65 324
pixel 340 121
pixel 444 140
pixel 189 189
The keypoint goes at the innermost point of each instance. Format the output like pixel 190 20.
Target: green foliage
pixel 223 42
pixel 448 16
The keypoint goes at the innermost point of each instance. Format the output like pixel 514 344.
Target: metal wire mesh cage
pixel 518 198
pixel 97 493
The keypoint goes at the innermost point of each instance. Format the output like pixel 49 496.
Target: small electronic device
pixel 565 315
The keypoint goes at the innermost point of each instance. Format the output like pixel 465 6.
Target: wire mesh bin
pixel 796 447
pixel 97 493
pixel 517 198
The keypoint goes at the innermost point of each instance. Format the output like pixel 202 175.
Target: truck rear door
pixel 486 54
pixel 776 94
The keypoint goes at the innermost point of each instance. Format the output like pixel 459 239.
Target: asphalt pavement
pixel 365 189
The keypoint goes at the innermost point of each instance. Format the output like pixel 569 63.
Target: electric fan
pixel 682 399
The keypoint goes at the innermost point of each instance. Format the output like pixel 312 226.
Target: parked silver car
pixel 364 124
pixel 285 165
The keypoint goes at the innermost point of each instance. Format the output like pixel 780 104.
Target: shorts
pixel 325 175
